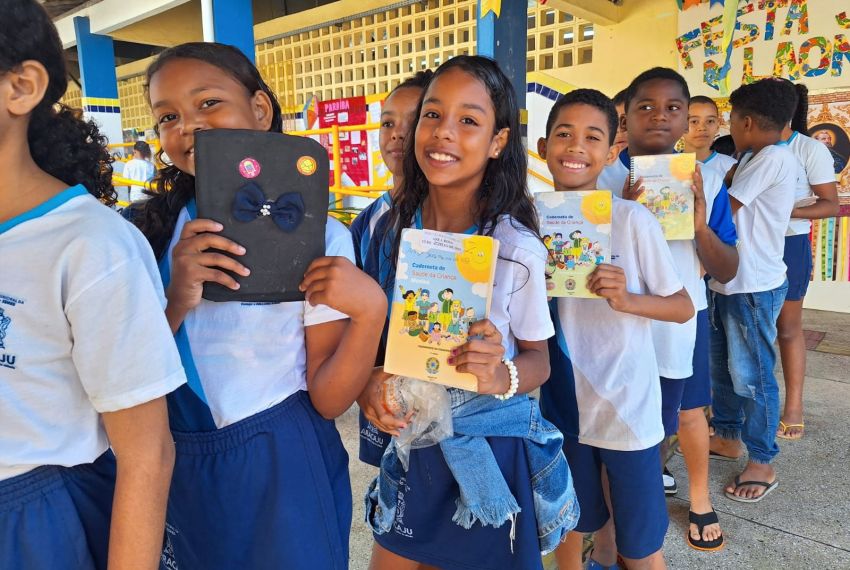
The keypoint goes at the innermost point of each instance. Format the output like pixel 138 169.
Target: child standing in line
pixel 70 388
pixel 743 311
pixel 603 393
pixel 816 183
pixel 499 492
pixel 397 115
pixel 139 168
pixel 703 124
pixel 656 117
pixel 261 477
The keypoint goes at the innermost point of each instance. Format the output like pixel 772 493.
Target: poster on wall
pixel 829 122
pixel 723 44
pixel 354 147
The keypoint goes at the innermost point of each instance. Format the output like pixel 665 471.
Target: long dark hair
pixel 157 217
pixel 504 188
pixel 60 142
pixel 800 119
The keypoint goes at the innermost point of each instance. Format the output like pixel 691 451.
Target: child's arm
pixel 192 264
pixel 144 452
pixel 719 259
pixel 609 282
pixel 826 205
pixel 341 353
pixel 483 358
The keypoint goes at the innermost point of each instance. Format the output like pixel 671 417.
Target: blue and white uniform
pixel 719 163
pixel 603 392
pixel 261 479
pixel 82 333
pixel 675 344
pixel 423 529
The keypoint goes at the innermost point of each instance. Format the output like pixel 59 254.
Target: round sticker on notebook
pixel 306 165
pixel 249 167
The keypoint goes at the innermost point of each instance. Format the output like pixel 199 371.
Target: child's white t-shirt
pixel 252 356
pixel 719 163
pixel 765 185
pixel 817 168
pixel 519 307
pixel 616 373
pixel 141 170
pixel 674 342
pixel 82 331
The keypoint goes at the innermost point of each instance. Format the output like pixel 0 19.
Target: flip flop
pixel 785 427
pixel 721 457
pixel 703 521
pixel 768 487
pixel 594 565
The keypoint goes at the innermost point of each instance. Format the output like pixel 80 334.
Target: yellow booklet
pixel 576 229
pixel 667 181
pixel 443 284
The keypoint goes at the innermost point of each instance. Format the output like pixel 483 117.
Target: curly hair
pixel 770 102
pixel 157 217
pixel 592 98
pixel 504 188
pixel 60 141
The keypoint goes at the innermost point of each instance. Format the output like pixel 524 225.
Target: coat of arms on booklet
pixel 576 229
pixel 667 181
pixel 443 284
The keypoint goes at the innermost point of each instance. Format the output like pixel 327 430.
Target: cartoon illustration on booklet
pixel 667 180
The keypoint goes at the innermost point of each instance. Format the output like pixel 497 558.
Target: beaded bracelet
pixel 514 381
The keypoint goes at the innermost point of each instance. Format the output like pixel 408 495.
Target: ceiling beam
pixel 602 12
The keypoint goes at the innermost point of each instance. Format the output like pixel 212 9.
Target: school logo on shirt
pixel 4 326
pixel 6 360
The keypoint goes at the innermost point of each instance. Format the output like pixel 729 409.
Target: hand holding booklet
pixel 443 284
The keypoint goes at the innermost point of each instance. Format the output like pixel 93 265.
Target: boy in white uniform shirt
pixel 703 124
pixel 743 311
pixel 656 117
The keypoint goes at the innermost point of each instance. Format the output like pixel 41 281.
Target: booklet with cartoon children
pixel 667 180
pixel 443 284
pixel 576 229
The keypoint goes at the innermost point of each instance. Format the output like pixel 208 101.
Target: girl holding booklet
pixel 479 498
pixel 261 476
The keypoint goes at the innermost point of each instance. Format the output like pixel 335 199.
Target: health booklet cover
pixel 443 284
pixel 667 180
pixel 576 229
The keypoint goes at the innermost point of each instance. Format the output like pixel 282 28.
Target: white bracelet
pixel 514 381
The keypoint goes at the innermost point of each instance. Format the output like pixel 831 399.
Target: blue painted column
pixel 504 39
pixel 233 24
pixel 99 83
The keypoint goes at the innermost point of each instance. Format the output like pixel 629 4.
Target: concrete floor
pixel 803 524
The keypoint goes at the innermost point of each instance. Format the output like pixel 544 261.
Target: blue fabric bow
pixel 250 203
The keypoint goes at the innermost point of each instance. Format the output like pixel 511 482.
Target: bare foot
pixel 753 472
pixel 726 447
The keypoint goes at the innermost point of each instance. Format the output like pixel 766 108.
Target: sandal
pixel 768 487
pixel 703 521
pixel 783 427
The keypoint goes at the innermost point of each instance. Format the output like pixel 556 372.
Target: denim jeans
pixel 745 391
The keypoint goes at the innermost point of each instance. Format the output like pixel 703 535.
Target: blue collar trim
pixel 44 208
pixel 625 158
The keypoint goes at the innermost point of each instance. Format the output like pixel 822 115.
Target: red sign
pixel 353 145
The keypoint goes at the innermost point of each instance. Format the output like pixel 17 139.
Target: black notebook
pixel 270 192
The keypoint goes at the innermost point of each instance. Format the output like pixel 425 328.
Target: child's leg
pixel 792 348
pixel 727 406
pixel 383 559
pixel 568 554
pixel 640 511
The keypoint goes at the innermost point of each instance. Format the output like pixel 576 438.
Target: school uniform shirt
pixel 251 356
pixel 765 185
pixel 674 342
pixel 816 168
pixel 720 163
pixel 618 396
pixel 141 170
pixel 364 224
pixel 82 331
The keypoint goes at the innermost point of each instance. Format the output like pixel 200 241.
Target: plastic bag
pixel 432 413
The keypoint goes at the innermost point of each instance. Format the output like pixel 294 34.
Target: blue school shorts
pixel 373 442
pixel 271 491
pixel 679 394
pixel 424 531
pixel 637 495
pixel 57 518
pixel 798 260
